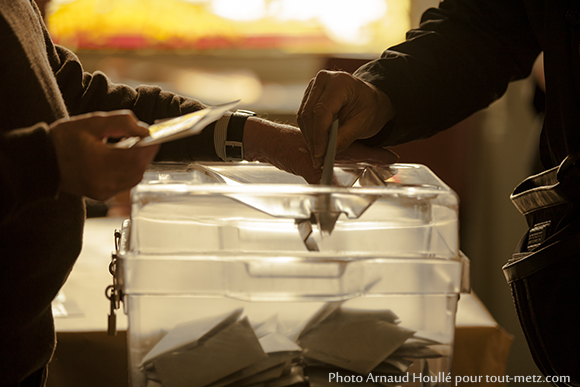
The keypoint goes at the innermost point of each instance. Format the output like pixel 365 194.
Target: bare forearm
pixel 265 140
pixel 285 147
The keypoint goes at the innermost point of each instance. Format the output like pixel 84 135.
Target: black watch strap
pixel 234 147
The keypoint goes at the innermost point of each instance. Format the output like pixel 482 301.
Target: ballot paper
pixel 354 340
pixel 230 350
pixel 418 348
pixel 227 350
pixel 178 127
pixel 280 352
pixel 267 326
pixel 188 334
pixel 295 377
pixel 388 373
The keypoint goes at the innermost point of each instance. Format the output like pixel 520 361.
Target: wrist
pixel 271 142
pixel 229 135
pixel 255 135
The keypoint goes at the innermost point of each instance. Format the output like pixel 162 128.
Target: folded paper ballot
pixel 178 127
pixel 354 340
pixel 280 351
pixel 230 350
pixel 188 334
pixel 227 350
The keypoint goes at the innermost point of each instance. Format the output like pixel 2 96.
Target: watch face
pixel 234 147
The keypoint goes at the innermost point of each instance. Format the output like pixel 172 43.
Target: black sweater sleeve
pixel 458 61
pixel 86 92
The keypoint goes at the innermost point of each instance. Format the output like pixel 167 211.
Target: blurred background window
pixel 293 26
pixel 263 52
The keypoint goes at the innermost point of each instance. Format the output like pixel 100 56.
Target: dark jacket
pixel 41 228
pixel 464 55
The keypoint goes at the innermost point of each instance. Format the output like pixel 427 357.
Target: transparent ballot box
pixel 241 274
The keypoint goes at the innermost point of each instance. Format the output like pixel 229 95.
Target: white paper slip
pixel 178 127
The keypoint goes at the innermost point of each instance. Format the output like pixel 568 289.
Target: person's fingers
pixel 114 170
pixel 118 124
pixel 300 112
pixel 325 113
pixel 308 110
pixel 348 132
pixel 128 165
pixel 331 100
pixel 365 112
pixel 88 166
pixel 337 94
pixel 300 119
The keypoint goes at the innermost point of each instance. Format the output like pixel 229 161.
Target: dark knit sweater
pixel 463 57
pixel 41 228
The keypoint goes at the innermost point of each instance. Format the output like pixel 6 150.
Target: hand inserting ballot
pixel 284 147
pixel 362 109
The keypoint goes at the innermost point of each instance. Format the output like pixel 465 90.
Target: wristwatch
pixel 234 147
pixel 229 135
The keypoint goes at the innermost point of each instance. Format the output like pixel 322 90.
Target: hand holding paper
pixel 178 127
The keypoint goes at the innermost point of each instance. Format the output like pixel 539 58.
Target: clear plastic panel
pixel 401 210
pixel 414 332
pixel 219 257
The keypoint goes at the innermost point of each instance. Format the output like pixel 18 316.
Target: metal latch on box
pixel 114 292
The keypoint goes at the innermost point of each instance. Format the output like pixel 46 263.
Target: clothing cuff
pixel 199 147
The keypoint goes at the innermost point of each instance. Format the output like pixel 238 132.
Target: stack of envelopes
pixel 227 350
